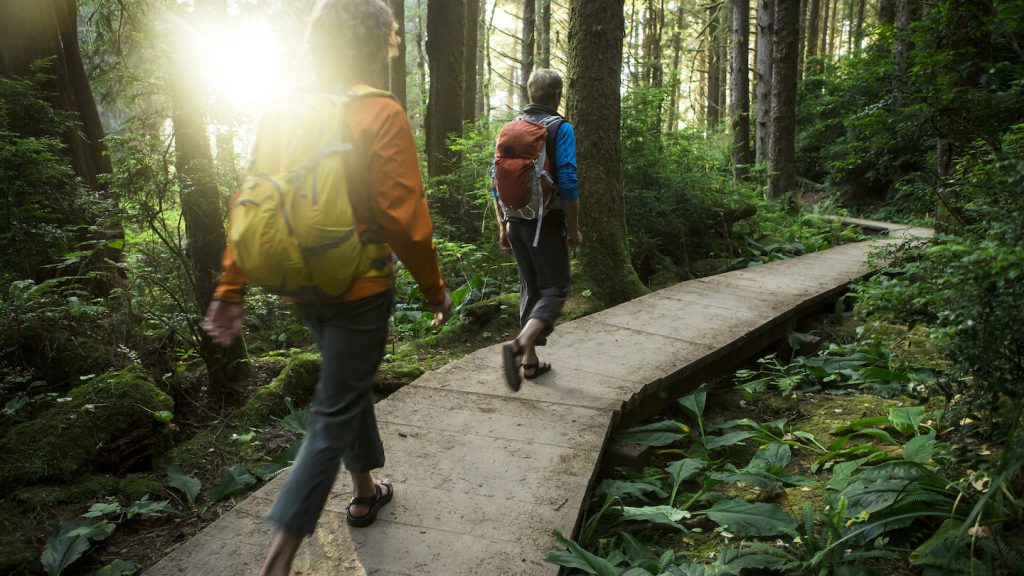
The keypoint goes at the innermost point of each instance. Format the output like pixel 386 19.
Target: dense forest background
pixel 712 136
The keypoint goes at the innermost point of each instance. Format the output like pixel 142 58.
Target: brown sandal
pixel 375 502
pixel 539 368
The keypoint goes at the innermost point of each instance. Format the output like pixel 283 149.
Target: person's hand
pixel 442 312
pixel 574 239
pixel 506 244
pixel 223 321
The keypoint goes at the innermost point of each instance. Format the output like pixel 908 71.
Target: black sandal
pixel 510 352
pixel 538 368
pixel 375 502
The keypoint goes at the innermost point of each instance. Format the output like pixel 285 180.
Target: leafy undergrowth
pixel 815 466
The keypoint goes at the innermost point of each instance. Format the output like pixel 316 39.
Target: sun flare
pixel 248 66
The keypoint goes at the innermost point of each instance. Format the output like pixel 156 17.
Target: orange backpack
pixel 522 173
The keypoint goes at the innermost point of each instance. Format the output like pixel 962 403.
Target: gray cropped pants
pixel 342 424
pixel 544 275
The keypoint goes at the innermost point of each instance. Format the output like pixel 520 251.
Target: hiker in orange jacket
pixel 349 41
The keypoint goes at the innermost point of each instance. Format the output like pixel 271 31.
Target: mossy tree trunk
pixel 204 224
pixel 763 78
pixel 782 147
pixel 529 41
pixel 596 29
pixel 446 40
pixel 469 65
pixel 742 157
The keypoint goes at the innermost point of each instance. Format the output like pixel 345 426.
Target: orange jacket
pixel 387 197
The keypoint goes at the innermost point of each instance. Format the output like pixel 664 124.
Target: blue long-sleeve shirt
pixel 565 156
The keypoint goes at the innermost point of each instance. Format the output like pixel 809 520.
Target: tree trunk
pixel 763 77
pixel 724 22
pixel 677 47
pixel 906 12
pixel 528 45
pixel 469 66
pixel 483 64
pixel 887 12
pixel 714 111
pixel 654 27
pixel 741 155
pixel 823 46
pixel 204 228
pixel 803 40
pixel 833 44
pixel 446 32
pixel 596 30
pixel 782 150
pixel 544 35
pixel 813 14
pixel 397 64
pixel 858 31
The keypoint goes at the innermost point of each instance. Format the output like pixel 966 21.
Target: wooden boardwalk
pixel 483 477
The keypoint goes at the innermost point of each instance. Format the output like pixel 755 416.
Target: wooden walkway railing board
pixel 483 477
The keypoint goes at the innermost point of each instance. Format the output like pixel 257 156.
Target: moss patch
pixel 89 488
pixel 19 552
pixel 86 431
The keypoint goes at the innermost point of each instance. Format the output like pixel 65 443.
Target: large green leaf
pixel 231 481
pixel 576 557
pixel 70 541
pixel 906 419
pixel 695 402
pixel 920 448
pixel 751 518
pixel 665 515
pixel 183 483
pixel 774 455
pixel 716 442
pixel 659 434
pixel 685 469
pixel 622 488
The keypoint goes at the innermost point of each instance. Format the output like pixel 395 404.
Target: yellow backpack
pixel 291 225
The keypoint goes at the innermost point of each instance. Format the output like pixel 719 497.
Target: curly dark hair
pixel 351 33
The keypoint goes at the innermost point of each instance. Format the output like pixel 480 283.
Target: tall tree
pixel 813 15
pixel 741 154
pixel 528 45
pixel 654 27
pixel 782 149
pixel 446 39
pixel 204 222
pixel 596 30
pixel 398 70
pixel 675 73
pixel 714 83
pixel 469 65
pixel 544 34
pixel 48 29
pixel 906 13
pixel 763 76
pixel 483 63
pixel 823 46
pixel 858 30
pixel 887 12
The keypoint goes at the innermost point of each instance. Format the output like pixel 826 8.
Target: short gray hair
pixel 543 86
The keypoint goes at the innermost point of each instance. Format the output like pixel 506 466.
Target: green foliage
pixel 75 537
pixel 44 207
pixel 232 480
pixel 187 485
pixel 71 436
pixel 677 188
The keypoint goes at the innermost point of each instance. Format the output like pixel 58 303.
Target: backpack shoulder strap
pixel 553 124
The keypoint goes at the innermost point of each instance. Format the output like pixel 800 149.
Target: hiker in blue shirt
pixel 539 235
